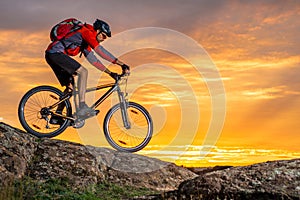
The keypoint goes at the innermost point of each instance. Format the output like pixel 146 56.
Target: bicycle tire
pixel 29 111
pixel 116 138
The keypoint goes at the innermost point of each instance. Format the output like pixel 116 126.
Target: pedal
pixel 89 115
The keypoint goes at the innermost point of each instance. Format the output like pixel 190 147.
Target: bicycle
pixel 127 126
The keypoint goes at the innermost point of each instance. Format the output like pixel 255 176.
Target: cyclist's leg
pixel 84 109
pixel 72 67
pixel 64 67
pixel 81 83
pixel 61 106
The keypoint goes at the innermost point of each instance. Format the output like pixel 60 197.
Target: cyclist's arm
pixel 101 51
pixel 95 62
pixel 90 38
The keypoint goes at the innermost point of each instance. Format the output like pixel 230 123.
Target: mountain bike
pixel 127 126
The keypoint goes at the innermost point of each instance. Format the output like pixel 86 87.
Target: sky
pixel 234 93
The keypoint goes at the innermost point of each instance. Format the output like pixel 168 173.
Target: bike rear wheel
pixel 34 114
pixel 134 138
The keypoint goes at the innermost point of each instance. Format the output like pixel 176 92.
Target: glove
pixel 125 68
pixel 114 75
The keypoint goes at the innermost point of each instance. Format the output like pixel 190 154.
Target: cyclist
pixel 85 40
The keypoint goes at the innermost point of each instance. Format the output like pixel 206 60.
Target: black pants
pixel 63 66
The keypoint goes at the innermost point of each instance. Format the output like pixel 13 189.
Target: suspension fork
pixel 124 106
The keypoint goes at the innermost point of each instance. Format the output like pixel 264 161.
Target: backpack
pixel 64 28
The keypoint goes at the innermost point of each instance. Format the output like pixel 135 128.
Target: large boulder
pixel 270 180
pixel 42 159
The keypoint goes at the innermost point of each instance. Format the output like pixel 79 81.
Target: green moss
pixel 61 189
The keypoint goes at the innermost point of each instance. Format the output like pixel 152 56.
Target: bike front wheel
pixel 33 113
pixel 131 139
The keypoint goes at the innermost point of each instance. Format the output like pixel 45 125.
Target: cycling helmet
pixel 102 26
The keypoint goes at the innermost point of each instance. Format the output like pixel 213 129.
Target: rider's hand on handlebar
pixel 125 69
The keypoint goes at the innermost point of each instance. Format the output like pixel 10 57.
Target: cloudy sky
pixel 253 44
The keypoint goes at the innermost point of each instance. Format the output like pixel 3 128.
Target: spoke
pixel 33 106
pixel 129 138
pixel 34 101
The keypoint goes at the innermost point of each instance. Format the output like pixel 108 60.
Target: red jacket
pixel 82 40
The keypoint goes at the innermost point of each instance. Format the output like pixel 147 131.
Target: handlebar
pixel 122 75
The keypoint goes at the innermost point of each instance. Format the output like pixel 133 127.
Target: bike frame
pixel 113 88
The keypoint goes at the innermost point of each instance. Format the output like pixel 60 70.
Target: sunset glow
pixel 251 49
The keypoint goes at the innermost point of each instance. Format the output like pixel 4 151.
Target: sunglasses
pixel 104 36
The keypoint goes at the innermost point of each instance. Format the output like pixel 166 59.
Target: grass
pixel 61 189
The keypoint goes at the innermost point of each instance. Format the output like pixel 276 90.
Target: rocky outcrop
pixel 264 181
pixel 16 152
pixel 41 159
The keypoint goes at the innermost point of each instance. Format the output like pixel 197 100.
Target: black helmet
pixel 102 27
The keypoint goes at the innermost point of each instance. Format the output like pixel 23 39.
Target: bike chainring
pixel 78 123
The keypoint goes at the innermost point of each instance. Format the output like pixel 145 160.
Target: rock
pixel 16 151
pixel 204 170
pixel 270 180
pixel 61 159
pixel 136 170
pixel 24 155
pixel 43 159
